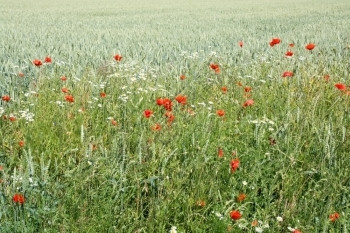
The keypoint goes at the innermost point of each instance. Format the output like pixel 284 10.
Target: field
pixel 175 116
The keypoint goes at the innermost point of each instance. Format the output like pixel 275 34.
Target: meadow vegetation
pixel 181 116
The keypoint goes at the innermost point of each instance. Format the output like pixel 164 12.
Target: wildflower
pixel 224 89
pixel 201 203
pixel 37 62
pixel 173 230
pixel 63 78
pixel 326 77
pixel 340 86
pixel 156 127
pixel 215 67
pixel 259 230
pixel 182 77
pixel 255 223
pixel 291 45
pixel 334 217
pixel 287 74
pixel 296 231
pixel 170 116
pixel 20 74
pixel 18 198
pixel 279 219
pixel 12 118
pixel 114 122
pixel 248 103
pixel 147 113
pixel 21 143
pixel 235 215
pixel 167 104
pixel 69 98
pixel 240 44
pixel 275 41
pixel 64 90
pixel 310 46
pixel 48 59
pixel 103 95
pixel 234 165
pixel 6 98
pixel 160 101
pixel 220 152
pixel 118 57
pixel 220 113
pixel 289 54
pixel 247 89
pixel 181 99
pixel 241 197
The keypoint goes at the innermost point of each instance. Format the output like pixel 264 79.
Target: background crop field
pixel 98 164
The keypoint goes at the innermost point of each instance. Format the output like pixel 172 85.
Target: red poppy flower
pixel 340 86
pixel 114 122
pixel 201 203
pixel 310 46
pixel 287 74
pixel 326 77
pixel 118 57
pixel 248 103
pixel 156 127
pixel 291 45
pixel 21 143
pixel 103 95
pixel 220 152
pixel 224 89
pixel 255 223
pixel 12 118
pixel 6 98
pixel 247 89
pixel 18 198
pixel 240 44
pixel 69 98
pixel 235 215
pixel 63 78
pixel 48 59
pixel 241 197
pixel 160 101
pixel 37 62
pixel 275 41
pixel 147 113
pixel 20 74
pixel 289 54
pixel 220 113
pixel 234 164
pixel 334 217
pixel 64 90
pixel 170 116
pixel 215 67
pixel 296 231
pixel 182 77
pixel 181 99
pixel 167 104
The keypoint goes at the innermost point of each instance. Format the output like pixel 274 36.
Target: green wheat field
pixel 175 116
